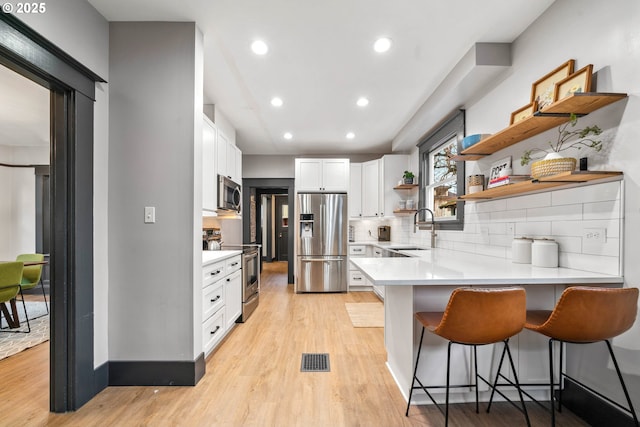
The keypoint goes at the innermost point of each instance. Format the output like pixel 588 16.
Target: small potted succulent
pixel 550 161
pixel 408 177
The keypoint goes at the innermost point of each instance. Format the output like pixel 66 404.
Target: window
pixel 441 177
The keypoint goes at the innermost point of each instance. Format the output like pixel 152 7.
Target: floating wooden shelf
pixel 534 185
pixel 545 119
pixel 405 187
pixel 404 211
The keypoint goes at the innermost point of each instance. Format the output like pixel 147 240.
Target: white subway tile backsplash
pixel 510 216
pixel 533 229
pixel 602 210
pixel 532 201
pixel 555 213
pixel 609 248
pixel 587 194
pixel 562 215
pixel 569 244
pixel 567 228
pixel 586 262
pixel 492 206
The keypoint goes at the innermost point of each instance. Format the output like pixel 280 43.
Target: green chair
pixel 10 276
pixel 32 276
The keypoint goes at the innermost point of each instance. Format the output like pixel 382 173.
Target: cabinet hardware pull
pixel 234 264
pixel 228 279
pixel 213 273
pixel 216 298
pixel 213 332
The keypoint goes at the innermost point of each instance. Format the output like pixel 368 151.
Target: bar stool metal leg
pixel 415 372
pixel 551 399
pixel 624 387
pixel 446 415
pixel 475 367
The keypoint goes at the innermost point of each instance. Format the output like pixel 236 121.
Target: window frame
pixel 452 127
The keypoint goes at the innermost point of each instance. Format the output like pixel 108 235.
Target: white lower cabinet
pixel 357 280
pixel 221 300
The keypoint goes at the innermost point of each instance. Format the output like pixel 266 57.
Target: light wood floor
pixel 254 378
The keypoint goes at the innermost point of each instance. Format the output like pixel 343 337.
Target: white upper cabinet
pixel 229 159
pixel 370 189
pixel 372 195
pixel 328 175
pixel 355 190
pixel 209 174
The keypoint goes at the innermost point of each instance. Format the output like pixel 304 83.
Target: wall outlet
pixel 594 235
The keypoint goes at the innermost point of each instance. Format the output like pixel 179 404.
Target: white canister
pixel 521 250
pixel 544 253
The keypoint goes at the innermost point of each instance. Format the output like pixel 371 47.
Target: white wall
pixel 18 206
pixel 153 132
pixel 78 29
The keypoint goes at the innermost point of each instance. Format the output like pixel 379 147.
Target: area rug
pixel 366 314
pixel 12 343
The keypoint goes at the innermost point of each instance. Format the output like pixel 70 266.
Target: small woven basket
pixel 543 168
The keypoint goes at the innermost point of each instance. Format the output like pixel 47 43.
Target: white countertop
pixel 386 245
pixel 445 267
pixel 213 256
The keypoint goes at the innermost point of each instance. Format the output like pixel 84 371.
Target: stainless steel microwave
pixel 229 194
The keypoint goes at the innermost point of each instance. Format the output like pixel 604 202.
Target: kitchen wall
pixel 607 36
pixel 79 30
pixel 155 129
pixel 273 166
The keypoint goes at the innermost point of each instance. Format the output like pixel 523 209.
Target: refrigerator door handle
pixel 321 259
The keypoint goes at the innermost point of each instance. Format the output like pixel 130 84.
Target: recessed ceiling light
pixel 351 135
pixel 382 44
pixel 362 102
pixel 288 135
pixel 276 102
pixel 259 47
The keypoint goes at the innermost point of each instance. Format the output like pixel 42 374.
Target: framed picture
pixel 495 179
pixel 523 113
pixel 543 90
pixel 578 82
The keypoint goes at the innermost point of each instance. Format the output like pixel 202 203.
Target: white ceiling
pixel 24 111
pixel 321 60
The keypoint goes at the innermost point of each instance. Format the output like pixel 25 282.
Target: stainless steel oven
pixel 250 281
pixel 250 277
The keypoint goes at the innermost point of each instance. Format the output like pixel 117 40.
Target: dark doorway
pixel 73 380
pixel 282 228
pixel 252 191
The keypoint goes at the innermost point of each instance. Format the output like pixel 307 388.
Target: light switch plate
pixel 149 214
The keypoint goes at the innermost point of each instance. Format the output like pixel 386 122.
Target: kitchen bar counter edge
pixel 446 267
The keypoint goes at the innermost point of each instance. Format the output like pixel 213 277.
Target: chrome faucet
pixel 417 224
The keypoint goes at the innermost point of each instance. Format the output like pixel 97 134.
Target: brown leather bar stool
pixel 586 315
pixel 475 317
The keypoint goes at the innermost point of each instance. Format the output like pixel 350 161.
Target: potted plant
pixel 408 177
pixel 551 161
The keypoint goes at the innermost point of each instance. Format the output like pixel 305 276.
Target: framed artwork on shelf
pixel 500 171
pixel 578 82
pixel 542 90
pixel 523 113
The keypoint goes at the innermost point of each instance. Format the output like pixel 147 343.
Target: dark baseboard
pixel 101 378
pixel 591 408
pixel 156 373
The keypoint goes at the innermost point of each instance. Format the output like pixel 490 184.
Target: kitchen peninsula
pixel 425 282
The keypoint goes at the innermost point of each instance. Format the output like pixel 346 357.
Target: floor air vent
pixel 315 362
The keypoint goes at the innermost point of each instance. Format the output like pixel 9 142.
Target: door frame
pixel 73 380
pixel 264 185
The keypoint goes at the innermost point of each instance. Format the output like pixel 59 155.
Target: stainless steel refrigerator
pixel 322 242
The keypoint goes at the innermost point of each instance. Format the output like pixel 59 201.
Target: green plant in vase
pixel 408 177
pixel 549 161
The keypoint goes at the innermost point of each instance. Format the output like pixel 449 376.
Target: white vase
pixel 553 155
